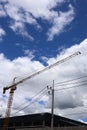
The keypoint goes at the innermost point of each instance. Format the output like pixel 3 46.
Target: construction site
pixel 43 64
pixel 38 121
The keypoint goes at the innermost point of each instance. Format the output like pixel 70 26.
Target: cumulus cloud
pixel 29 11
pixel 35 90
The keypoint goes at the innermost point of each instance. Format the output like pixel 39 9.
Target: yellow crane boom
pixel 13 86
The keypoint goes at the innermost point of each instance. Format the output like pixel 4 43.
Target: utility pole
pixel 52 110
pixel 51 92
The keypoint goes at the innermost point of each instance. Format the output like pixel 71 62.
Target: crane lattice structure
pixel 14 86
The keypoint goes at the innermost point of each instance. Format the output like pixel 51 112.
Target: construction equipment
pixel 14 85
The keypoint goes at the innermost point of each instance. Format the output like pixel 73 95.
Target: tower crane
pixel 14 86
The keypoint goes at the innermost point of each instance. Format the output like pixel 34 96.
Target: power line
pixel 78 82
pixel 39 97
pixel 28 104
pixel 74 86
pixel 31 97
pixel 70 80
pixel 60 88
pixel 55 90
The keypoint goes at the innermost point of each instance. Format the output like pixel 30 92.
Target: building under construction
pixel 41 120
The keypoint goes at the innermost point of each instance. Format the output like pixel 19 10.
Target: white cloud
pixel 19 15
pixel 60 22
pixel 29 53
pixel 2 33
pixel 38 9
pixel 18 19
pixel 2 12
pixel 45 59
pixel 66 101
pixel 19 28
pixel 29 11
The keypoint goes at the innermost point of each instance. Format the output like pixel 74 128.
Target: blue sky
pixel 15 44
pixel 35 34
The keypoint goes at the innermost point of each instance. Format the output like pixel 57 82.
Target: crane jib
pixel 47 68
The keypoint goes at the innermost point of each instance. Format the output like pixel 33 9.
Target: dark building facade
pixel 41 120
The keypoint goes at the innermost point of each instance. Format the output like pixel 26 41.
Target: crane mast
pixel 14 85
